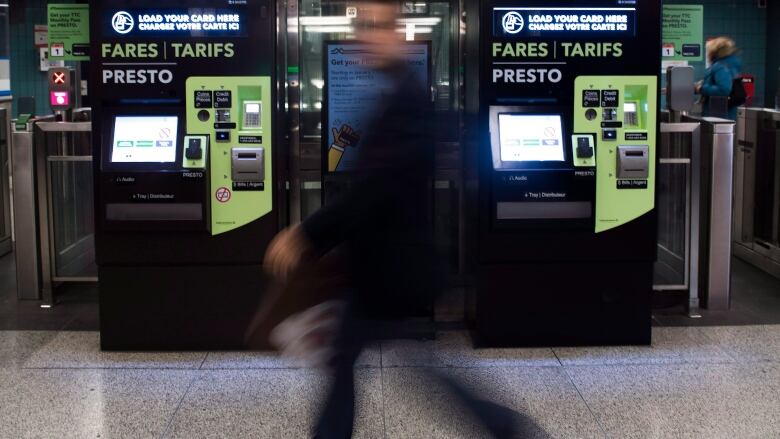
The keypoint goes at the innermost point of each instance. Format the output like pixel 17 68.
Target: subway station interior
pixel 390 219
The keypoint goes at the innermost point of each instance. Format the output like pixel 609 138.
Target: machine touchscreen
pixel 531 138
pixel 144 139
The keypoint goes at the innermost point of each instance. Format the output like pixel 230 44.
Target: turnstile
pixel 53 205
pixel 5 189
pixel 757 189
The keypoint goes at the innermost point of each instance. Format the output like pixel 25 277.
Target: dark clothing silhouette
pixel 382 221
pixel 381 226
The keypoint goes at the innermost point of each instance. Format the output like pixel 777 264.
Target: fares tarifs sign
pixel 534 45
pixel 159 40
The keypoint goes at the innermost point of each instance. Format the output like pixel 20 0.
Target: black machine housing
pixel 169 284
pixel 553 281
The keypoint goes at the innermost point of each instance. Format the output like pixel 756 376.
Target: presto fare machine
pixel 566 233
pixel 184 169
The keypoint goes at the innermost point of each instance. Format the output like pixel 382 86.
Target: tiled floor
pixel 695 381
pixel 708 382
pixel 76 309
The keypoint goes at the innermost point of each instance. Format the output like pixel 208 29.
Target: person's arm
pixel 721 83
pixel 325 229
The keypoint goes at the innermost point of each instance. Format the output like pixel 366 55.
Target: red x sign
pixel 58 77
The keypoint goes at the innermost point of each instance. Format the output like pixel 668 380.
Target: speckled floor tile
pixel 683 401
pixel 269 403
pixel 272 360
pixel 17 346
pixel 455 349
pixel 48 403
pixel 82 350
pixel 748 343
pixel 417 405
pixel 670 346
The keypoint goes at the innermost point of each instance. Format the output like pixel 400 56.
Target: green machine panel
pixel 234 113
pixel 620 112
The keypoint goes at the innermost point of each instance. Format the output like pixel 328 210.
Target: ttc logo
pixel 122 22
pixel 512 22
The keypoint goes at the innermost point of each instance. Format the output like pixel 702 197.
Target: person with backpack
pixel 722 77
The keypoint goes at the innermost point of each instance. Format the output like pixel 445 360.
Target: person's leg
pixel 337 413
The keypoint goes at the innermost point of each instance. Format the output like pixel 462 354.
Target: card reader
pixel 252 115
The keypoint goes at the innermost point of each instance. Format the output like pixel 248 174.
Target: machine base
pixel 564 304
pixel 178 308
pixel 758 259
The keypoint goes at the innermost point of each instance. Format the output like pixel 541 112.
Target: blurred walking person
pixel 722 79
pixel 381 231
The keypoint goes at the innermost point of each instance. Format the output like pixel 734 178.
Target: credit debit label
pixel 610 98
pixel 632 184
pixel 223 99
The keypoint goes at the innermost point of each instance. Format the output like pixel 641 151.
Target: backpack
pixel 738 96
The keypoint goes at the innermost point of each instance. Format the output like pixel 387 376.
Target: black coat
pixel 383 221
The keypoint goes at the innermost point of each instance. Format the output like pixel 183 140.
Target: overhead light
pixel 415 29
pixel 324 20
pixel 425 21
pixel 329 29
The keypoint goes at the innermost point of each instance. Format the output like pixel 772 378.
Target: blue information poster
pixel 354 91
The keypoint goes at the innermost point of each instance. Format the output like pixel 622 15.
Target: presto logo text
pixel 527 76
pixel 137 76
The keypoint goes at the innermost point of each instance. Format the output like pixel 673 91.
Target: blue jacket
pixel 719 78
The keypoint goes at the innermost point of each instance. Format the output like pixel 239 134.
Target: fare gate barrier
pixel 5 189
pixel 694 211
pixel 53 205
pixel 757 189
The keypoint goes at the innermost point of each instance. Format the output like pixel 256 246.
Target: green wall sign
pixel 69 32
pixel 683 33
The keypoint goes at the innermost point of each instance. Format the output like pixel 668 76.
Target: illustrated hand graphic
pixel 345 136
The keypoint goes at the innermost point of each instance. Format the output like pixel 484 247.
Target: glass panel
pixel 311 197
pixel 5 165
pixel 767 184
pixel 4 39
pixel 326 20
pixel 672 264
pixel 673 210
pixel 5 67
pixel 446 217
pixel 72 211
